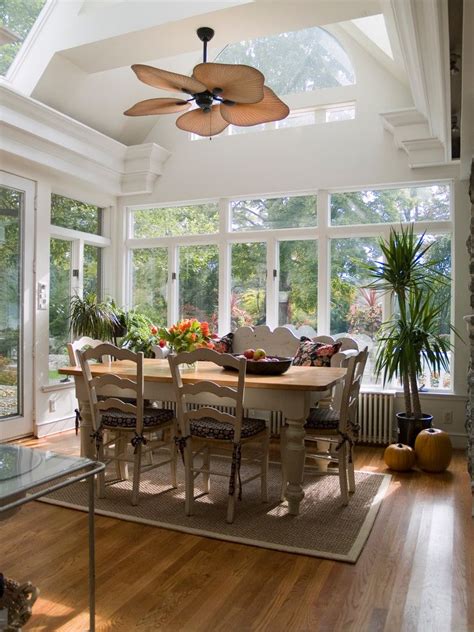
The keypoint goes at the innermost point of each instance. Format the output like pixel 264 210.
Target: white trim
pixel 23 424
pixel 38 133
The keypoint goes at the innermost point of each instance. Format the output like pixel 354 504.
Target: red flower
pixel 162 343
pixel 154 330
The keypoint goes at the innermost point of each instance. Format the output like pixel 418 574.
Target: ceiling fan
pixel 223 93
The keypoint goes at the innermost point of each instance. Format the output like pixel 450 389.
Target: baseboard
pixel 54 427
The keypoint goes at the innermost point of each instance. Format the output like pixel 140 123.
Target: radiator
pixel 375 416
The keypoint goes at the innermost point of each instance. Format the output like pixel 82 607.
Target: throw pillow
pixel 312 353
pixel 224 344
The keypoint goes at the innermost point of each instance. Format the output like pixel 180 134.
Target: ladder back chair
pixel 207 427
pixel 72 348
pixel 337 427
pixel 117 405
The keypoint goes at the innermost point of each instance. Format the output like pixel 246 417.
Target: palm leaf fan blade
pixel 270 108
pixel 167 80
pixel 233 82
pixel 157 106
pixel 203 123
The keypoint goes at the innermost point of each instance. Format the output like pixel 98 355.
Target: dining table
pixel 290 393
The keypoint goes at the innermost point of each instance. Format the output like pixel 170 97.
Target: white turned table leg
pixel 294 464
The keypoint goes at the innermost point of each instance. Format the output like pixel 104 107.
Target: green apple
pixel 259 354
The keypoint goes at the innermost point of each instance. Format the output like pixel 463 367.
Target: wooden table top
pixel 297 378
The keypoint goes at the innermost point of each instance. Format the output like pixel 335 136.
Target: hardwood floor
pixel 415 573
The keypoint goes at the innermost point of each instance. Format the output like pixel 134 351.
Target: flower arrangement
pixel 186 335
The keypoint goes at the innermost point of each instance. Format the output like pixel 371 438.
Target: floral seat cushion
pixel 322 419
pixel 208 428
pixel 151 417
pixel 224 344
pixel 312 353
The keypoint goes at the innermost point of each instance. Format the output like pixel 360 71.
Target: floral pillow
pixel 312 353
pixel 224 344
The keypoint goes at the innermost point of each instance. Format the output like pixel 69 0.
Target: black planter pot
pixel 409 428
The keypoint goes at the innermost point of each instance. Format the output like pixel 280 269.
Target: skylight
pixel 16 21
pixel 375 29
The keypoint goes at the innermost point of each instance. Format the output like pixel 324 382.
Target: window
pixel 354 309
pixel 18 17
pixel 76 247
pixel 76 215
pixel 298 283
pixel 11 220
pixel 248 287
pixel 176 220
pixel 199 283
pixel 296 118
pixel 273 213
pixel 60 275
pixel 414 204
pixel 281 261
pixel 309 59
pixel 149 282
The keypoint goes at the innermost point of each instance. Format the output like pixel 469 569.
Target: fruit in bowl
pixel 260 354
pixel 267 365
pixel 249 354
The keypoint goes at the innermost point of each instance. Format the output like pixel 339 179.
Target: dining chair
pixel 336 426
pixel 72 347
pixel 117 405
pixel 206 427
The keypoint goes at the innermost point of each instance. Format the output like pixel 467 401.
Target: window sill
pixel 59 386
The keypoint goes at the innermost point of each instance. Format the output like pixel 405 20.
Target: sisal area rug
pixel 322 529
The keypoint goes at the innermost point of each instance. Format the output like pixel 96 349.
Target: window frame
pixel 322 233
pixel 78 239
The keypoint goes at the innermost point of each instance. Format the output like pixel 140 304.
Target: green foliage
pixel 197 219
pixel 141 334
pixel 89 317
pixel 8 374
pixel 391 205
pixel 307 59
pixel 76 215
pixel 18 16
pixel 412 337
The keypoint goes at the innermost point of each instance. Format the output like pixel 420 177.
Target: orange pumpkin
pixel 399 457
pixel 433 450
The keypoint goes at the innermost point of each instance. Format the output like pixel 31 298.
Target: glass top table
pixel 27 474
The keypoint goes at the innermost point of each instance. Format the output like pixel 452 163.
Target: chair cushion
pixel 209 428
pixel 151 417
pixel 312 353
pixel 322 419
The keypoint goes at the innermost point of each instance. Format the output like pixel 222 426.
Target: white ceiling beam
pixel 422 29
pixel 232 25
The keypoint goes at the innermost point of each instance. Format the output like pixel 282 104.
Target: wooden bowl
pixel 259 367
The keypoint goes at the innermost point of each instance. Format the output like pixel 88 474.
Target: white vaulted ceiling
pixel 79 62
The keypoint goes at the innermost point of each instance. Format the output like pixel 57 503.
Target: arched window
pixel 298 61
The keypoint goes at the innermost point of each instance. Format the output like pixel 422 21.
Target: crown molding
pixel 38 133
pixel 411 132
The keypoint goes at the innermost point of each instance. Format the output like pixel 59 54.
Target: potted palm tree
pixel 411 341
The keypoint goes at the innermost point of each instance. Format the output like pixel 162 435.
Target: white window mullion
pixel 173 284
pixel 324 264
pixel 77 265
pixel 224 315
pixel 272 282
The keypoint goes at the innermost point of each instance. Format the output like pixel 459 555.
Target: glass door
pixel 16 306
